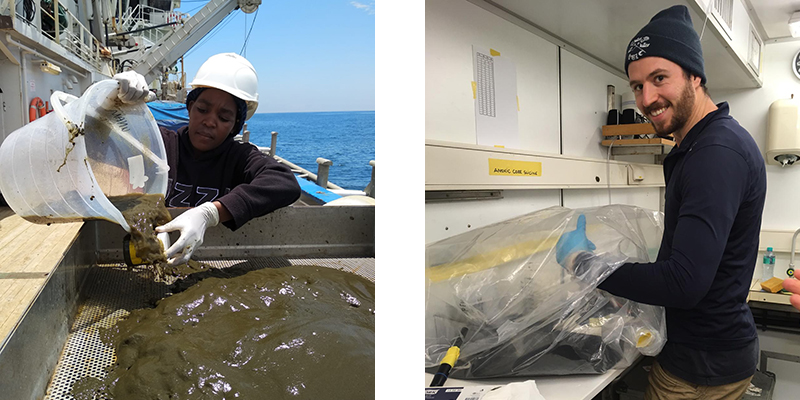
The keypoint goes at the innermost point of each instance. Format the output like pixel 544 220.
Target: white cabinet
pixel 601 30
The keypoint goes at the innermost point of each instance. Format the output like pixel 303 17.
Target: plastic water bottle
pixel 768 269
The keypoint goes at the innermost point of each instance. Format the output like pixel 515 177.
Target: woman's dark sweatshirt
pixel 246 181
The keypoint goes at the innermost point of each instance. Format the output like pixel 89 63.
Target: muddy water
pixel 73 132
pixel 300 332
pixel 143 212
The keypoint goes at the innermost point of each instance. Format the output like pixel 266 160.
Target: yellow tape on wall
pixel 514 168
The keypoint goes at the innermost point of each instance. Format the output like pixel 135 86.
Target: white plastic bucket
pixel 118 150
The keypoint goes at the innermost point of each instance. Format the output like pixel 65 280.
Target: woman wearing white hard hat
pixel 226 181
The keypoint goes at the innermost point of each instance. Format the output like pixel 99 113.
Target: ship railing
pixel 323 167
pixel 6 7
pixel 75 37
pixel 135 17
pixel 143 16
pixel 25 11
pixel 81 41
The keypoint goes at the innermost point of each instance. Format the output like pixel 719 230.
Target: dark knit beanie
pixel 241 108
pixel 669 35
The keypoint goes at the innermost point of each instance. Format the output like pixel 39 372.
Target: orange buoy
pixel 37 109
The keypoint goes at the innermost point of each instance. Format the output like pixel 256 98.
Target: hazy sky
pixel 310 55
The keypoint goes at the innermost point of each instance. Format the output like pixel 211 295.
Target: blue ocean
pixel 347 138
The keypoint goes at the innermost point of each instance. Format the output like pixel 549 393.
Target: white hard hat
pixel 233 74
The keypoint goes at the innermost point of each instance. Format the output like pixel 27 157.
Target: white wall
pixel 36 84
pixel 751 108
pixel 452 27
pixel 11 114
pixel 649 198
pixel 583 94
pixel 583 99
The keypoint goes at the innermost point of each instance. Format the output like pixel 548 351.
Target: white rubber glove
pixel 132 87
pixel 192 224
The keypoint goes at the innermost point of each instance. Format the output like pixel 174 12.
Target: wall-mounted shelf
pixel 623 141
pixel 628 130
pixel 638 142
pixel 462 166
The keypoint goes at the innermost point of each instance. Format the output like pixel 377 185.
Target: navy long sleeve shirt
pixel 715 189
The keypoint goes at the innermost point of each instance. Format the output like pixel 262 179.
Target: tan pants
pixel 665 386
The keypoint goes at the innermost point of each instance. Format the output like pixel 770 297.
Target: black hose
pixel 121 67
pixel 29 7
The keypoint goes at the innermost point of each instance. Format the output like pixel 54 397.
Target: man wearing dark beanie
pixel 715 190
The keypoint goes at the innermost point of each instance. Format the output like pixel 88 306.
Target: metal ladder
pixel 169 49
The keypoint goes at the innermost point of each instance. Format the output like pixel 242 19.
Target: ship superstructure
pixel 42 50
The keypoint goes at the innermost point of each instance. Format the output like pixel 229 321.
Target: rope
pixel 243 52
pixel 211 34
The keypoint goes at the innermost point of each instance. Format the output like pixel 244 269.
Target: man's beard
pixel 681 112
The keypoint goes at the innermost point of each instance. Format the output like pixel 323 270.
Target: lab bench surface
pixel 574 387
pixel 757 294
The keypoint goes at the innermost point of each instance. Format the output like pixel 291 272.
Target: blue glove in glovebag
pixel 573 241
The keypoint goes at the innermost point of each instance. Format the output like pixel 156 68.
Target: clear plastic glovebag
pixel 524 313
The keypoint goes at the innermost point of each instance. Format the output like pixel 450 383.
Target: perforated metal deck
pixel 112 291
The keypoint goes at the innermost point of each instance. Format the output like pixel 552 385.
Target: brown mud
pixel 143 212
pixel 300 332
pixel 73 132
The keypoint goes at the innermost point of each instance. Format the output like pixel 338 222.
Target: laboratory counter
pixel 760 295
pixel 574 387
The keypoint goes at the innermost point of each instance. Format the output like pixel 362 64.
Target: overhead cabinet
pixel 600 31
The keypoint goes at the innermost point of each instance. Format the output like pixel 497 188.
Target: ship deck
pixel 47 270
